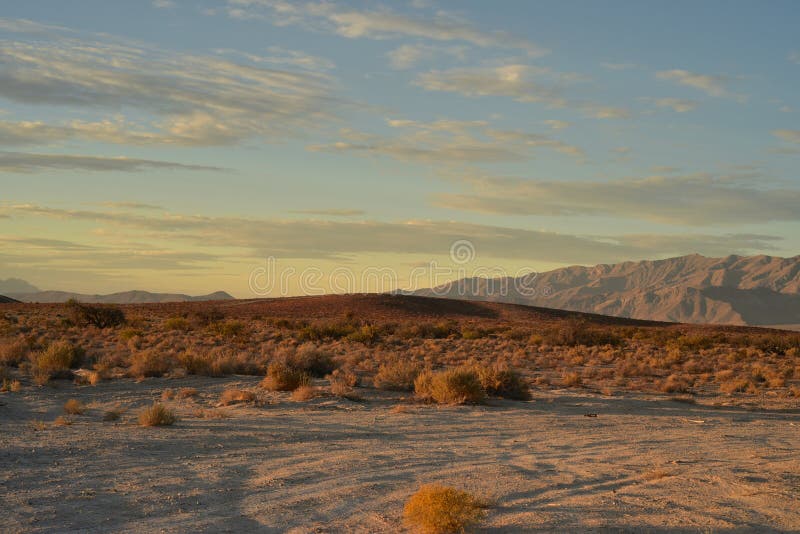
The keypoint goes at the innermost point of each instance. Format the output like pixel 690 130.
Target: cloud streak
pixel 25 163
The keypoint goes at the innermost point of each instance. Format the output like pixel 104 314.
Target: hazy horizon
pixel 174 146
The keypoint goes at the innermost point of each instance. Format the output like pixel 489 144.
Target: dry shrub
pixel 99 316
pixel 452 386
pixel 185 393
pixel 235 396
pixel 157 415
pixel 219 362
pixel 675 384
pixel 310 360
pixel 168 394
pixel 178 323
pixel 304 393
pixel 398 375
pixel 345 378
pixel 736 386
pixel 281 377
pixel 62 421
pixel 437 509
pixel 149 363
pixel 571 380
pixel 10 385
pixel 341 389
pixel 228 329
pixel 74 407
pixel 502 381
pixel 113 415
pixel 56 361
pixel 13 352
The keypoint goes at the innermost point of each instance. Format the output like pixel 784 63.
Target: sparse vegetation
pixel 452 386
pixel 398 375
pixel 236 396
pixel 157 415
pixel 502 381
pixel 74 407
pixel 437 509
pixel 281 377
pixel 90 315
pixel 56 361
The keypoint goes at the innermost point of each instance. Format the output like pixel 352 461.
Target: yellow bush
pixel 437 509
pixel 453 386
pixel 74 407
pixel 281 377
pixel 157 415
pixel 501 381
pixel 397 376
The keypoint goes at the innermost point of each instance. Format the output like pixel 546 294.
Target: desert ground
pixel 645 463
pixel 600 424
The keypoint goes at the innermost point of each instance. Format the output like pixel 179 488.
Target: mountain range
pixel 16 289
pixel 754 290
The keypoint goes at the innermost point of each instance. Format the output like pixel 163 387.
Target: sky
pixel 264 147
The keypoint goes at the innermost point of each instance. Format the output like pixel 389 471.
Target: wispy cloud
pixel 694 199
pixel 378 23
pixel 23 162
pixel 791 138
pixel 409 55
pixel 712 85
pixel 523 83
pixel 678 105
pixel 347 239
pixel 448 141
pixel 194 100
pixel 331 212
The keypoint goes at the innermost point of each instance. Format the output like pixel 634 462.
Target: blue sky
pixel 173 145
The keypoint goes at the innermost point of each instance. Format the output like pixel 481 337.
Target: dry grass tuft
pixel 397 375
pixel 185 393
pixel 62 421
pixel 501 381
pixel 281 377
pixel 452 386
pixel 74 407
pixel 235 396
pixel 437 509
pixel 304 393
pixel 157 415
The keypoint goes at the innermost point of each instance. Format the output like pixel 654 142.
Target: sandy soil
pixel 333 465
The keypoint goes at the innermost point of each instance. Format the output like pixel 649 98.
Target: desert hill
pixel 756 290
pixel 6 300
pixel 127 297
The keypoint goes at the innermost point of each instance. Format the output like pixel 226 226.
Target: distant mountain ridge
pixel 6 300
pixel 754 290
pixel 126 297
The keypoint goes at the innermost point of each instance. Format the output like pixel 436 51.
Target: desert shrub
pixel 74 407
pixel 675 384
pixel 437 509
pixel 235 396
pixel 452 386
pixel 281 377
pixel 576 332
pixel 149 363
pixel 13 352
pixel 208 315
pixel 571 379
pixel 694 342
pixel 130 333
pixel 99 316
pixel 440 330
pixel 469 332
pixel 228 329
pixel 310 360
pixel 502 381
pixel 157 415
pixel 365 334
pixel 398 375
pixel 304 393
pixel 185 393
pixel 178 323
pixel 345 378
pixel 57 360
pixel 740 385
